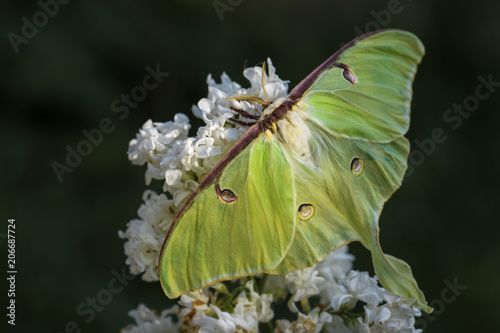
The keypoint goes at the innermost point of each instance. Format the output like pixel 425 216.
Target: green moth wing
pixel 356 107
pixel 346 203
pixel 241 222
pixel 364 90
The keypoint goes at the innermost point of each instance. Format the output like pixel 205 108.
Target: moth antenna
pixel 262 81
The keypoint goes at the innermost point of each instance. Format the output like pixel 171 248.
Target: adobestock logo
pixel 448 295
pixel 221 7
pixel 88 309
pixel 381 19
pixel 94 137
pixel 29 28
pixel 454 117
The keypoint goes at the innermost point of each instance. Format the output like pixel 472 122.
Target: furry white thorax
pixel 293 133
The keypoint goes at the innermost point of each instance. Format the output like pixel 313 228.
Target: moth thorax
pixel 293 132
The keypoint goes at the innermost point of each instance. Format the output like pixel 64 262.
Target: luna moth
pixel 311 175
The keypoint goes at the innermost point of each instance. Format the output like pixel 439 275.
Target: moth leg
pixel 245 114
pixel 243 123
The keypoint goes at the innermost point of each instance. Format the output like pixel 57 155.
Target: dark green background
pixel 443 221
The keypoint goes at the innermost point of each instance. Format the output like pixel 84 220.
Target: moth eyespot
pixel 349 75
pixel 306 212
pixel 357 166
pixel 226 196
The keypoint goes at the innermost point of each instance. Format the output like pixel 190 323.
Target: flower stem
pixel 262 283
pixel 269 327
pixel 304 303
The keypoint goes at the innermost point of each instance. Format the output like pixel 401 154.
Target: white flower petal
pixel 173 177
pixel 148 321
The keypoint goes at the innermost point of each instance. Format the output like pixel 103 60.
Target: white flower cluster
pixel 150 322
pixel 201 313
pixel 336 287
pixel 145 235
pixel 339 293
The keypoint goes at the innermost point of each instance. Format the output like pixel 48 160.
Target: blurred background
pixel 61 78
